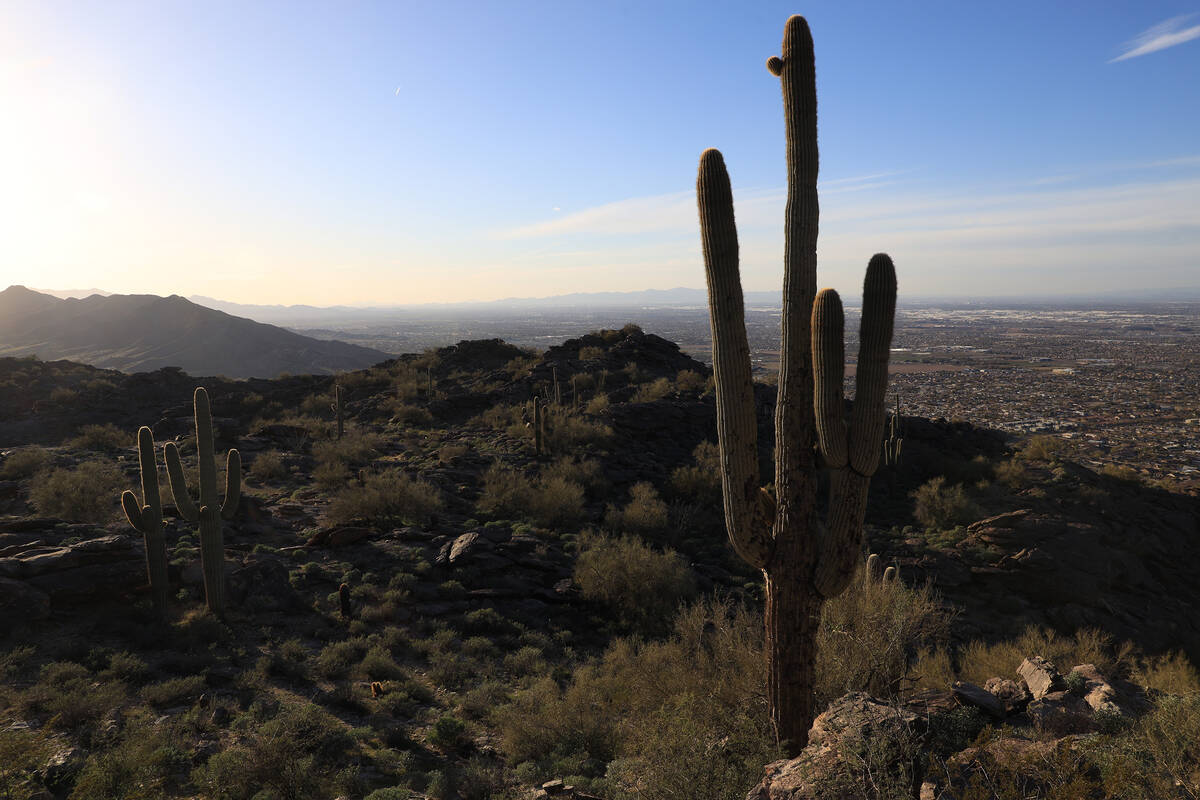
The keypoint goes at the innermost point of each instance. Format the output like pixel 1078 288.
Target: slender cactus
pixel 890 574
pixel 209 513
pixel 338 409
pixel 538 414
pixel 146 518
pixel 803 560
pixel 344 604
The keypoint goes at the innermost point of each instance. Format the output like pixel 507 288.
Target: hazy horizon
pixel 376 154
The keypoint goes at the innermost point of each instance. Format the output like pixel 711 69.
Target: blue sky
pixel 411 152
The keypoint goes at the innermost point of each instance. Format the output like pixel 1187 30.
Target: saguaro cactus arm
pixel 748 518
pixel 233 484
pixel 147 519
pixel 179 490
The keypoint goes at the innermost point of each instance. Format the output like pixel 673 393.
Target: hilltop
pixel 135 333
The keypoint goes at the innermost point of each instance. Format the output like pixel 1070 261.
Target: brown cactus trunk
pixel 792 616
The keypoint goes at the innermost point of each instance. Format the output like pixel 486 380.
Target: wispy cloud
pixel 1159 37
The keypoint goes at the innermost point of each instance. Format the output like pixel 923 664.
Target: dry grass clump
pixel 355 448
pixel 655 390
pixel 386 497
pixel 90 492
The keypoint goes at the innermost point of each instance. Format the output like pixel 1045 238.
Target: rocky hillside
pixel 430 605
pixel 139 333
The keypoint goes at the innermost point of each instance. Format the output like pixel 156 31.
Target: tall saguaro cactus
pixel 146 518
pixel 209 512
pixel 805 561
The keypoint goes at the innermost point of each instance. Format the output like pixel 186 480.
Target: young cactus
pixel 337 408
pixel 208 513
pixel 538 414
pixel 803 560
pixel 146 517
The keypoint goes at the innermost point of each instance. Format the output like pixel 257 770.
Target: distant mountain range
pixel 139 332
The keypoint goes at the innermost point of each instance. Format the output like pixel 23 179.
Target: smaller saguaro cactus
pixel 895 441
pixel 376 688
pixel 537 425
pixel 146 518
pixel 890 574
pixel 557 387
pixel 337 408
pixel 347 608
pixel 209 512
pixel 872 572
pixel 430 392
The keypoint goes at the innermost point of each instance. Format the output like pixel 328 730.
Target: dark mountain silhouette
pixel 135 333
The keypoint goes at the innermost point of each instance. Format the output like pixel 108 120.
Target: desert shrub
pixel 650 713
pixel 565 431
pixel 24 463
pixel 655 390
pixel 338 658
pixel 1010 473
pixel 448 732
pixel 22 753
pixel 1171 673
pixel 137 768
pixel 69 697
pixel 410 414
pixel 63 395
pixel 331 475
pixel 870 632
pixel 641 585
pixel 980 660
pixel 1160 756
pixel 588 473
pixel 354 449
pixel 597 405
pixel 939 506
pixel 550 502
pixel 688 380
pixel 449 453
pixel 702 480
pixel 268 466
pixel 390 496
pixel 88 493
pixel 1043 448
pixel 297 754
pixel 645 514
pixel 105 438
pixel 174 691
pixel 590 353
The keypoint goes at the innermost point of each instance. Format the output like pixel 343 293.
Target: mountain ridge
pixel 144 332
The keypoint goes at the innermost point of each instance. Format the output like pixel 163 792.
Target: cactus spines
pixel 337 408
pixel 146 518
pixel 872 571
pixel 889 575
pixel 209 513
pixel 803 560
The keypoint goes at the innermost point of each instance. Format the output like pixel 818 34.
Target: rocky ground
pixel 465 599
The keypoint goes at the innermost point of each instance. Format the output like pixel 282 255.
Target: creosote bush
pixel 644 515
pixel 87 493
pixel 551 501
pixel 24 463
pixel 105 438
pixel 642 586
pixel 390 496
pixel 939 506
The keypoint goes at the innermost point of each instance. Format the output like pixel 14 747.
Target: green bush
pixel 640 585
pixel 88 493
pixel 268 466
pixel 701 481
pixel 175 691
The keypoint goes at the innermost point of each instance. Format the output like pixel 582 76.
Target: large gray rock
pixel 1040 676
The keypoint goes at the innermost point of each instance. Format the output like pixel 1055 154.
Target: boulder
pixel 1012 694
pixel 856 734
pixel 971 695
pixel 1040 676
